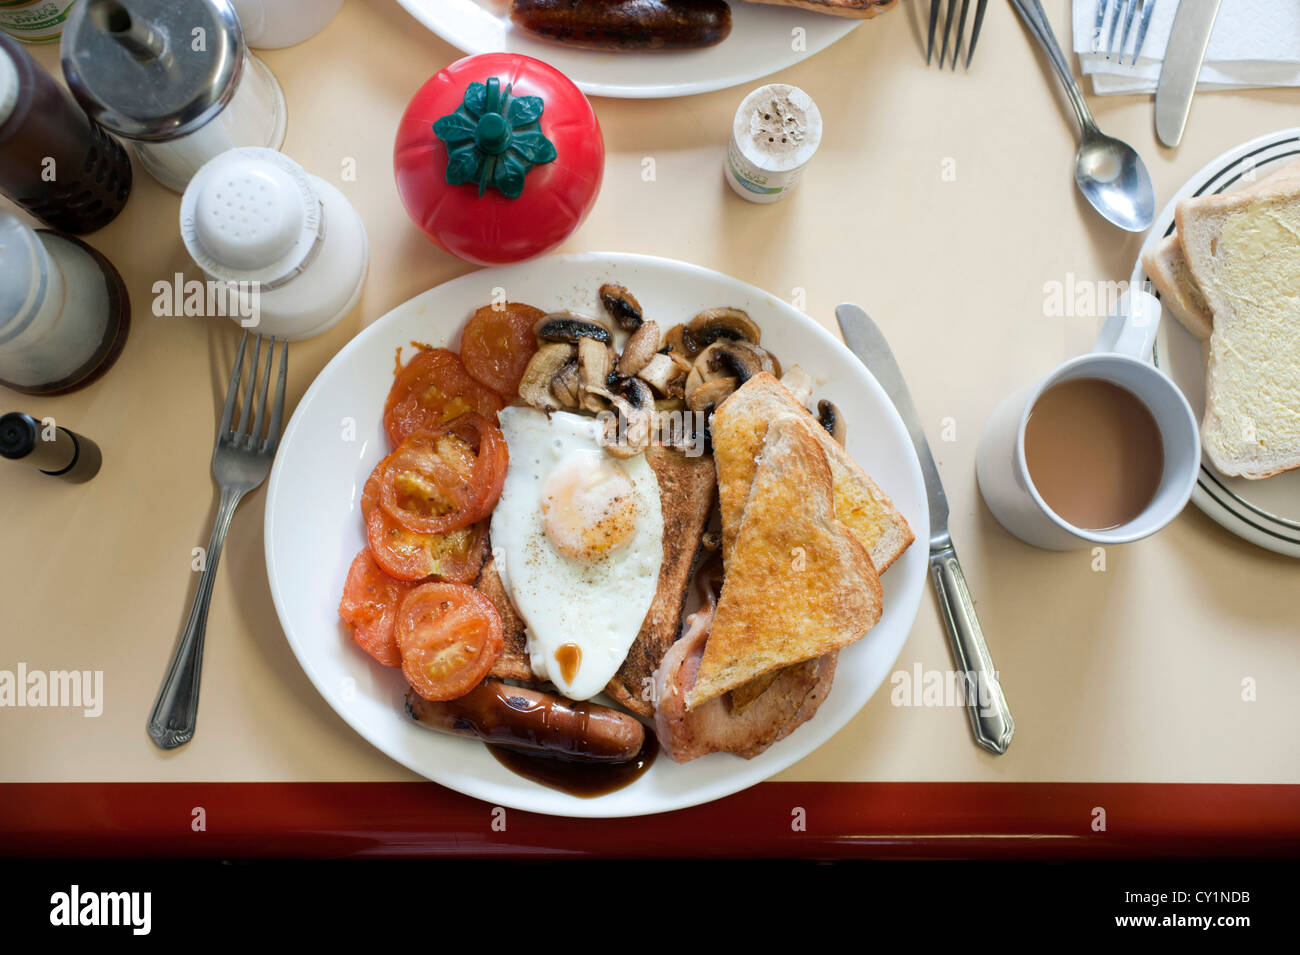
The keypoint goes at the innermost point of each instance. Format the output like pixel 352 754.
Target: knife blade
pixel 1188 39
pixel 985 703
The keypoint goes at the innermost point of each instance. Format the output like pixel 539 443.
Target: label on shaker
pixel 36 21
pixel 775 133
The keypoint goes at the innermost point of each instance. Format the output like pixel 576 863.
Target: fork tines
pixel 980 7
pixel 1126 11
pixel 243 437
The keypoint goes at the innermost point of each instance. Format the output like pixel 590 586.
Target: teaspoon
pixel 1108 172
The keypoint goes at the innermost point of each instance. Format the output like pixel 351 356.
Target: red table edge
pixel 771 820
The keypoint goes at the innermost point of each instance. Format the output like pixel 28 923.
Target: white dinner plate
pixel 1264 512
pixel 763 40
pixel 335 438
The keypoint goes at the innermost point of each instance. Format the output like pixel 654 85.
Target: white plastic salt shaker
pixel 288 243
pixel 774 135
pixel 173 76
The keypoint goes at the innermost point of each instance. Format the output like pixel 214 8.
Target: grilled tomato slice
pixel 449 636
pixel 442 480
pixel 369 607
pixel 498 343
pixel 431 389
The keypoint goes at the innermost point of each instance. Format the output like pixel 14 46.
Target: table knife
pixel 1188 38
pixel 989 715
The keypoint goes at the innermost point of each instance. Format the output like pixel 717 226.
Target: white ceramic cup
pixel 1121 356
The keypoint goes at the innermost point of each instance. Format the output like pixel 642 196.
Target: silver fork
pixel 980 8
pixel 240 462
pixel 1125 10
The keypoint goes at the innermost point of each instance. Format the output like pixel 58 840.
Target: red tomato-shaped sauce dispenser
pixel 498 158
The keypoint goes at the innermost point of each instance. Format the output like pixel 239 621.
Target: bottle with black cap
pixel 52 449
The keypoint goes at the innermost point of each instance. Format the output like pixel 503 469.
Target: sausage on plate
pixel 534 720
pixel 625 24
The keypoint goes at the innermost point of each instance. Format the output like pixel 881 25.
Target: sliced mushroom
pixel 714 324
pixel 566 385
pixel 674 340
pixel 564 327
pixel 666 373
pixel 628 430
pixel 710 394
pixel 799 382
pixel 549 361
pixel 595 362
pixel 738 359
pixel 830 418
pixel 622 305
pixel 640 348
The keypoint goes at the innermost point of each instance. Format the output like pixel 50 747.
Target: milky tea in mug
pixel 1103 449
pixel 1094 453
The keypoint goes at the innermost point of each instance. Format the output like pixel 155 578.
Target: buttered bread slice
pixel 799 584
pixel 1244 252
pixel 1166 263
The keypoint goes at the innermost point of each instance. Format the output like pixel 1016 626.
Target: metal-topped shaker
pixel 174 77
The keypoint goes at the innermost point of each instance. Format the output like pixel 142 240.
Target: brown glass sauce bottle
pixel 41 123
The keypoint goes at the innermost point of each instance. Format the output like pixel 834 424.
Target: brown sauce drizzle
pixel 569 657
pixel 577 777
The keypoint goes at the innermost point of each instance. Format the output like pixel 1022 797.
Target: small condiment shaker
pixel 289 243
pixel 272 24
pixel 774 134
pixel 49 447
pixel 64 311
pixel 173 76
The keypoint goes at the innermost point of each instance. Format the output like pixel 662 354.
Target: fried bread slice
pixel 513 663
pixel 686 494
pixel 739 427
pixel 798 584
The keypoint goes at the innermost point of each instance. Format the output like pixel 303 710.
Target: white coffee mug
pixel 1121 356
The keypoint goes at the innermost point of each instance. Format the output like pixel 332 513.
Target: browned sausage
pixel 625 24
pixel 506 715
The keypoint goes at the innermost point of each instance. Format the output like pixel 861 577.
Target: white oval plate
pixel 1265 512
pixel 313 522
pixel 762 42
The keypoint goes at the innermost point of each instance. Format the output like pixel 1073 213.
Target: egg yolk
pixel 589 508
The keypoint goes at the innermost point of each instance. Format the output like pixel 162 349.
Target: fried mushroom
pixel 622 306
pixel 710 394
pixel 548 362
pixel 565 327
pixel 714 324
pixel 628 430
pixel 639 350
pixel 595 362
pixel 829 417
pixel 666 373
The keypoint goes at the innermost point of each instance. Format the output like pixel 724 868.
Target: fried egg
pixel 578 541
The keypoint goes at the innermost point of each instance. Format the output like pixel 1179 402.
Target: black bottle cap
pixel 18 433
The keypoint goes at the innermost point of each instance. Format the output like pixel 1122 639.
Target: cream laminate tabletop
pixel 943 203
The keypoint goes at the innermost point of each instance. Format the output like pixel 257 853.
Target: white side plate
pixel 1265 512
